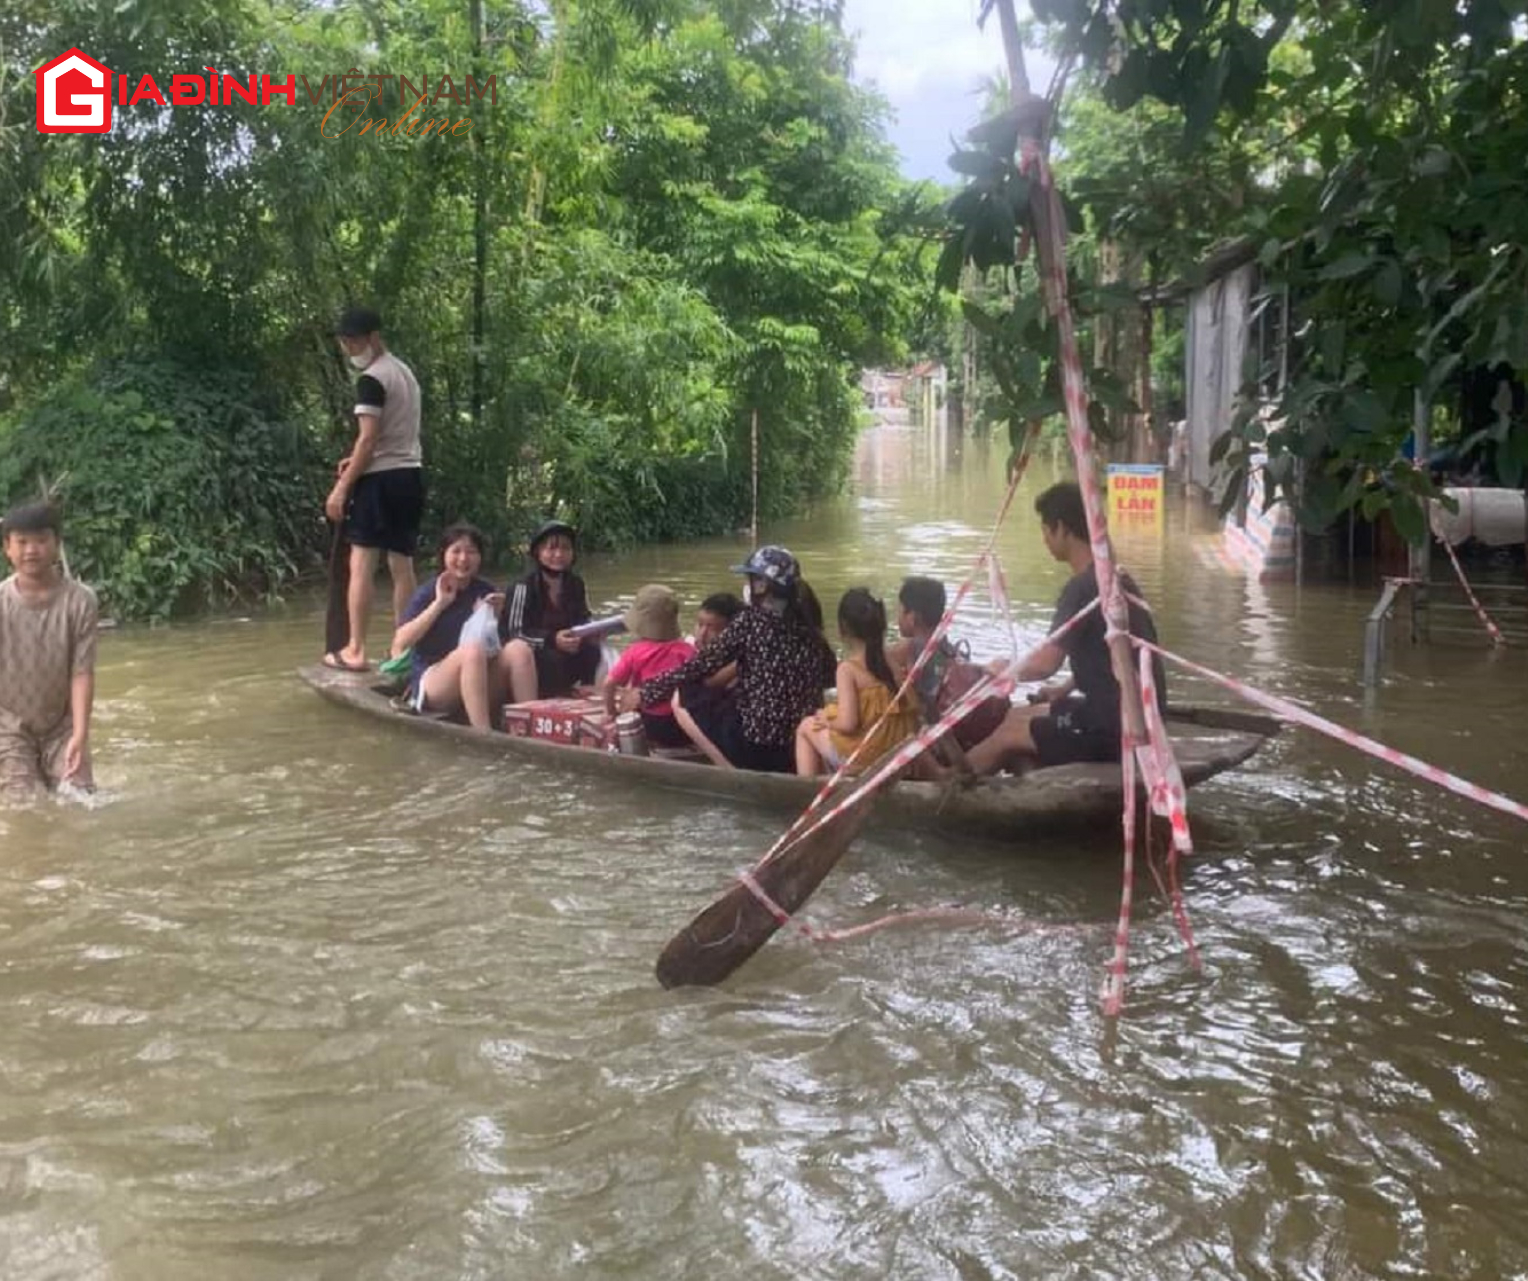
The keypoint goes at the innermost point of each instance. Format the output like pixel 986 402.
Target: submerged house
pixel 926 390
pixel 882 388
pixel 915 395
pixel 1234 339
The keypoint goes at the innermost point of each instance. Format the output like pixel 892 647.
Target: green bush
pixel 182 488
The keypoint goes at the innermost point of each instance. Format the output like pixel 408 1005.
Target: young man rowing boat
pixel 1078 719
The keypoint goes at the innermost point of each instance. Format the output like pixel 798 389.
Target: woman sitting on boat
pixel 543 606
pixel 451 624
pixel 783 666
pixel 868 718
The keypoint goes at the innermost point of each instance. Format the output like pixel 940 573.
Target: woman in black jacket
pixel 542 607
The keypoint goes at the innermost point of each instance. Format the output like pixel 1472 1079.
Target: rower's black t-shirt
pixel 1088 651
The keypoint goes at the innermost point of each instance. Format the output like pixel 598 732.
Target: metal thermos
pixel 630 737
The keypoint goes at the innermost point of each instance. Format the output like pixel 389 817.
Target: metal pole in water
pixel 1374 633
pixel 1420 557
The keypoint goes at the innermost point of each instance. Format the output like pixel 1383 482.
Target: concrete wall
pixel 1216 346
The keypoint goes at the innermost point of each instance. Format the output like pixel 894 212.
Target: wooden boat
pixel 1208 742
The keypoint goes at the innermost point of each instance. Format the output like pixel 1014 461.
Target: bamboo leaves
pixel 666 216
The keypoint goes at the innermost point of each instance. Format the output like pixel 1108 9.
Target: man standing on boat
pixel 379 493
pixel 1077 719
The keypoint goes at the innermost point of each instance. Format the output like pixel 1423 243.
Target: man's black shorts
pixel 386 508
pixel 1066 736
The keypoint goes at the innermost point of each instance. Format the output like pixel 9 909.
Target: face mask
pixel 364 359
pixel 774 604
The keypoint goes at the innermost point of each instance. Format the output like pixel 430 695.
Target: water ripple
pixel 310 999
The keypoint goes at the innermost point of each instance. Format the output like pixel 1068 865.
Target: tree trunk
pixel 1120 345
pixel 970 405
pixel 479 233
pixel 968 376
pixel 1105 327
pixel 1147 449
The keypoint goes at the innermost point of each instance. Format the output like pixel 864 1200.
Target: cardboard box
pixel 577 722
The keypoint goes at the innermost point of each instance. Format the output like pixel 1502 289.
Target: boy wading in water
pixel 48 627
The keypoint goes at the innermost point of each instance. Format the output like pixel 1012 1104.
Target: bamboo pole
pixel 479 232
pixel 1049 233
pixel 753 529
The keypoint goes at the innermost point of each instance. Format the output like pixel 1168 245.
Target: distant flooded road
pixel 303 997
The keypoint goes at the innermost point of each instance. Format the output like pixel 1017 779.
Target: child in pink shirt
pixel 654 620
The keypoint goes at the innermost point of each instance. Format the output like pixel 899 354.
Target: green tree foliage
pixel 1003 305
pixel 755 165
pixel 195 488
pixel 667 220
pixel 1374 154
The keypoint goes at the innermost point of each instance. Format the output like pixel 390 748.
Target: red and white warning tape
pixel 987 559
pixel 1113 993
pixel 885 768
pixel 1480 610
pixel 1301 716
pixel 1156 757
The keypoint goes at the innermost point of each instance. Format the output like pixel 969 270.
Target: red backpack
pixel 955 675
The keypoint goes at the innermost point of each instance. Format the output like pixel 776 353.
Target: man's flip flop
pixel 338 664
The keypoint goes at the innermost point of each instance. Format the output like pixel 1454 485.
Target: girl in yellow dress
pixel 867 710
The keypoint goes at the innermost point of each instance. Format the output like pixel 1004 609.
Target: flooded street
pixel 301 996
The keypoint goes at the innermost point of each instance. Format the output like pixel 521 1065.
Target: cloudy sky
pixel 928 59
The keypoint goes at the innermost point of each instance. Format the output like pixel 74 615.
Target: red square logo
pixel 73 95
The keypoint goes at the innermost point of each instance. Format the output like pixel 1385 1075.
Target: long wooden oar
pixel 337 617
pixel 739 923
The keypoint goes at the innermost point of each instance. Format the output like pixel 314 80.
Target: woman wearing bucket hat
pixel 784 664
pixel 543 606
pixel 654 620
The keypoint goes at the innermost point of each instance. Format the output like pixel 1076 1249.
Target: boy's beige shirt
pixel 43 646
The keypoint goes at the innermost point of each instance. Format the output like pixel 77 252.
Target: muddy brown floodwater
pixel 300 997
